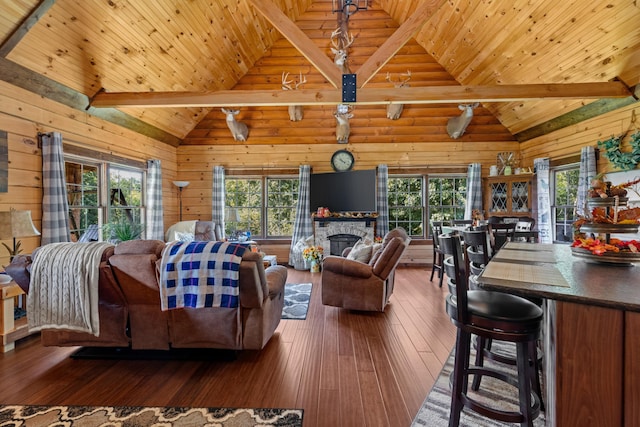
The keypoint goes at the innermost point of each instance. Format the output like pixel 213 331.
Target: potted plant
pixel 122 231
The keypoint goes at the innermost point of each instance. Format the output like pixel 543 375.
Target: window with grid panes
pixel 565 193
pixel 276 215
pixel 101 194
pixel 447 196
pixel 406 204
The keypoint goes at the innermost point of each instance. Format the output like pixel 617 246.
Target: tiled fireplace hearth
pixel 344 232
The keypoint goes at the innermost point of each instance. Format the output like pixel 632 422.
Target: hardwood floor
pixel 343 368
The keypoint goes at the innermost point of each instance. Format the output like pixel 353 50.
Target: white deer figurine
pixel 340 49
pixel 295 111
pixel 394 111
pixel 457 125
pixel 239 130
pixel 343 128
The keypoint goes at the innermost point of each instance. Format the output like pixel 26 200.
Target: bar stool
pixel 490 315
pixel 476 249
pixel 438 256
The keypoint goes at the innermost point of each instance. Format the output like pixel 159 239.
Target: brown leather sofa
pixel 130 314
pixel 364 286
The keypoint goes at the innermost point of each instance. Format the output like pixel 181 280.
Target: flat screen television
pixel 352 191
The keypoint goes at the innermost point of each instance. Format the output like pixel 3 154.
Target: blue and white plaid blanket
pixel 200 274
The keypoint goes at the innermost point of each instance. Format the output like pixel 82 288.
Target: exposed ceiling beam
pixel 589 111
pixel 398 39
pixel 20 76
pixel 299 40
pixel 365 96
pixel 22 30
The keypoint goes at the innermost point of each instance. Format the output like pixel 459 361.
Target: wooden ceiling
pixel 225 50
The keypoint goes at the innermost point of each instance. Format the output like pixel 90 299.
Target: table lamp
pixel 180 185
pixel 232 215
pixel 15 224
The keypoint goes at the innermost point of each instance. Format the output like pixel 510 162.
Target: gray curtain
pixel 545 222
pixel 587 173
pixel 155 218
pixel 382 199
pixel 218 202
pixel 55 206
pixel 474 190
pixel 302 226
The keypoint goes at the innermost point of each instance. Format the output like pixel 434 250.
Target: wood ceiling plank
pixel 22 77
pixel 300 40
pixel 19 33
pixel 399 38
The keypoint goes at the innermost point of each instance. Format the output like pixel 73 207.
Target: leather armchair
pixel 358 286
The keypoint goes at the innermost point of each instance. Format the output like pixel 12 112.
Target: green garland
pixel 619 159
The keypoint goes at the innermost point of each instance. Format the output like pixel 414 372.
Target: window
pixel 244 194
pixel 565 192
pixel 275 218
pixel 83 193
pixel 101 193
pixel 406 206
pixel 282 198
pixel 447 197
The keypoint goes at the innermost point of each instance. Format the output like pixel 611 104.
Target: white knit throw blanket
pixel 63 291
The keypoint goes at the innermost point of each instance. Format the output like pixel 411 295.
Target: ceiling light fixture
pixel 349 7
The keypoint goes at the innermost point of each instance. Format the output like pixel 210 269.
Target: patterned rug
pixel 131 416
pixel 296 300
pixel 435 409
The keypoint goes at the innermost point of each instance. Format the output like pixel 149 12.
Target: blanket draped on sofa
pixel 63 290
pixel 200 274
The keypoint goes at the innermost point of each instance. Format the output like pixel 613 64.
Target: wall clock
pixel 342 160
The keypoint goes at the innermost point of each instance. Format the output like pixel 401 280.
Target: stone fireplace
pixel 335 234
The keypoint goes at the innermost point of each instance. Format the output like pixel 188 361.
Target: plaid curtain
pixel 474 190
pixel 382 199
pixel 541 167
pixel 302 226
pixel 587 173
pixel 155 219
pixel 55 206
pixel 218 202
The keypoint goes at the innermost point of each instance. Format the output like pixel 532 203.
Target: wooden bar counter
pixel 592 330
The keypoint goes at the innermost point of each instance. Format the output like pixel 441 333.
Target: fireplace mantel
pixel 324 228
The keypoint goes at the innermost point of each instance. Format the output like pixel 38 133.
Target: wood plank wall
pixel 23 115
pixel 569 141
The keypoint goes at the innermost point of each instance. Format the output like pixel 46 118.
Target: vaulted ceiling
pixel 169 65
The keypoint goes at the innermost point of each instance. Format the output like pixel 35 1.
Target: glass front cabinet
pixel 508 195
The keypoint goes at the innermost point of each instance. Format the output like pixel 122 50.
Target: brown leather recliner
pixel 358 286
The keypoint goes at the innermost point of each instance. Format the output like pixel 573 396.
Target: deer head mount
pixel 239 130
pixel 295 111
pixel 341 42
pixel 343 129
pixel 457 125
pixel 394 111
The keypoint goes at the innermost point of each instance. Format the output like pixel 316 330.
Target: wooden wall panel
pixel 569 141
pixel 23 115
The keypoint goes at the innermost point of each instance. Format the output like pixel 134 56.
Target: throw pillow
pixel 184 237
pixel 361 251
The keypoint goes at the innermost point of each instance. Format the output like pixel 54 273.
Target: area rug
pixel 296 300
pixel 435 409
pixel 137 416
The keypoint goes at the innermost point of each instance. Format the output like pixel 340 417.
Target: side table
pixel 11 330
pixel 269 260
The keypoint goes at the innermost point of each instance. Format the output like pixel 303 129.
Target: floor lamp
pixel 180 185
